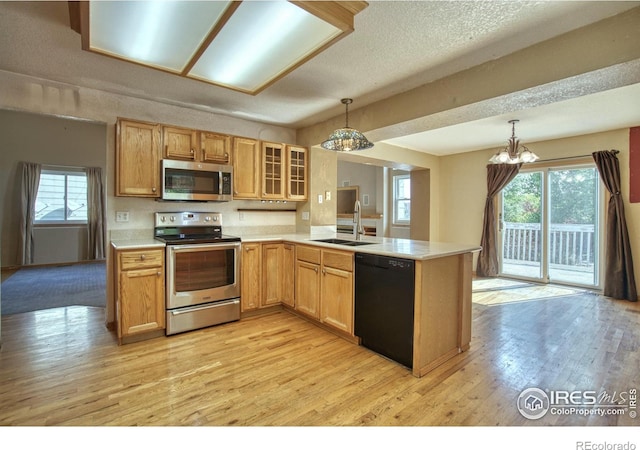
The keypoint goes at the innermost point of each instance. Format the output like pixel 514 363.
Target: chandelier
pixel 346 139
pixel 514 153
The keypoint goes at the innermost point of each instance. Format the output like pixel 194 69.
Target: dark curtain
pixel 619 279
pixel 96 224
pixel 498 176
pixel 29 182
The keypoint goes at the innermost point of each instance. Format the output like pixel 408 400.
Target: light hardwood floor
pixel 62 367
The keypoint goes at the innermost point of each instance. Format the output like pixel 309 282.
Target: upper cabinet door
pixel 297 167
pixel 273 162
pixel 215 148
pixel 246 168
pixel 137 159
pixel 180 143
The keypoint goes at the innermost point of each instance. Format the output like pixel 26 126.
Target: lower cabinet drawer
pixel 309 254
pixel 141 259
pixel 200 316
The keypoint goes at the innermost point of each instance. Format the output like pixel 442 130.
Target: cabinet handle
pixel 316 269
pixel 153 189
pixel 159 273
pixel 142 257
pixel 192 151
pixel 324 271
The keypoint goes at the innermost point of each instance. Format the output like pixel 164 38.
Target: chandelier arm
pixel 514 152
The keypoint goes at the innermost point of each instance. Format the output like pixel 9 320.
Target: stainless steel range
pixel 203 270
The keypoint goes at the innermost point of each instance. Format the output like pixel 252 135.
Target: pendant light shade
pixel 514 153
pixel 346 139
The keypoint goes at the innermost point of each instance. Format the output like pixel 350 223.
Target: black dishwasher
pixel 384 301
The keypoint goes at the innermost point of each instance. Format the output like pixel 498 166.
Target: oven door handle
pixel 177 312
pixel 200 247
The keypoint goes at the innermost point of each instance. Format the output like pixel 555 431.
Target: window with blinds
pixel 62 197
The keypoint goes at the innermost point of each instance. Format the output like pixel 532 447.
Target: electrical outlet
pixel 305 215
pixel 365 200
pixel 122 216
pixel 319 198
pixel 327 195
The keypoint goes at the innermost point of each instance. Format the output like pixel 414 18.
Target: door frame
pixel 545 167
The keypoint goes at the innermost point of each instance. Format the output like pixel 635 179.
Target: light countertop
pixel 126 244
pixel 399 248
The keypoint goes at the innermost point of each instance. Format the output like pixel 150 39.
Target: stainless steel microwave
pixel 196 181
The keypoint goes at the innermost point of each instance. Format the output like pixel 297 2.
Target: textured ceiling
pixel 396 46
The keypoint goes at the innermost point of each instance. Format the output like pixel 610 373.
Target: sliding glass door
pixel 521 226
pixel 549 226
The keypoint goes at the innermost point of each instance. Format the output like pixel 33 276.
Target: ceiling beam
pixel 587 50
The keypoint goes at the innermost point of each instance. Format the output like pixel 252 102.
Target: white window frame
pixel 62 171
pixel 396 199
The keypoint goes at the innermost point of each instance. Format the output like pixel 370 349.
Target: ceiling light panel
pixel 261 41
pixel 163 34
pixel 240 45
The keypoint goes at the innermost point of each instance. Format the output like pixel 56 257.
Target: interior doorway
pixel 550 222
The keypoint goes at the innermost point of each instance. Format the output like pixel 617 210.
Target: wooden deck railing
pixel 569 244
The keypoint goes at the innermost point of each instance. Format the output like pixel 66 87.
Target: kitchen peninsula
pixel 317 276
pixel 323 275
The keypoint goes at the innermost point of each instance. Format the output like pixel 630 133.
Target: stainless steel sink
pixel 342 242
pixel 357 243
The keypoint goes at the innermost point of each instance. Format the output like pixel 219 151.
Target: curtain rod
pixel 58 166
pixel 615 152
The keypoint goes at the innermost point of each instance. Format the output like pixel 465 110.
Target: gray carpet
pixel 33 289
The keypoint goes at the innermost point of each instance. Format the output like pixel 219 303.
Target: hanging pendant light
pixel 514 153
pixel 346 139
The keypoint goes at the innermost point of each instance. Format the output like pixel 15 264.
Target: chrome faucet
pixel 357 219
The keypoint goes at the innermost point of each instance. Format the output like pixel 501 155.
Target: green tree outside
pixel 572 201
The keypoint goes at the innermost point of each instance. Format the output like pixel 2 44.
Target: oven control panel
pixel 166 219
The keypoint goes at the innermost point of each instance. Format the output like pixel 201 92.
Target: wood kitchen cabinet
pixel 215 148
pixel 140 304
pixel 193 145
pixel 284 172
pixel 251 277
pixel 272 282
pixel 296 173
pixel 269 171
pixel 308 280
pixel 324 286
pixel 180 143
pixel 137 159
pixel 267 275
pixel 245 156
pixel 273 171
pixel 336 300
pixel 288 274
